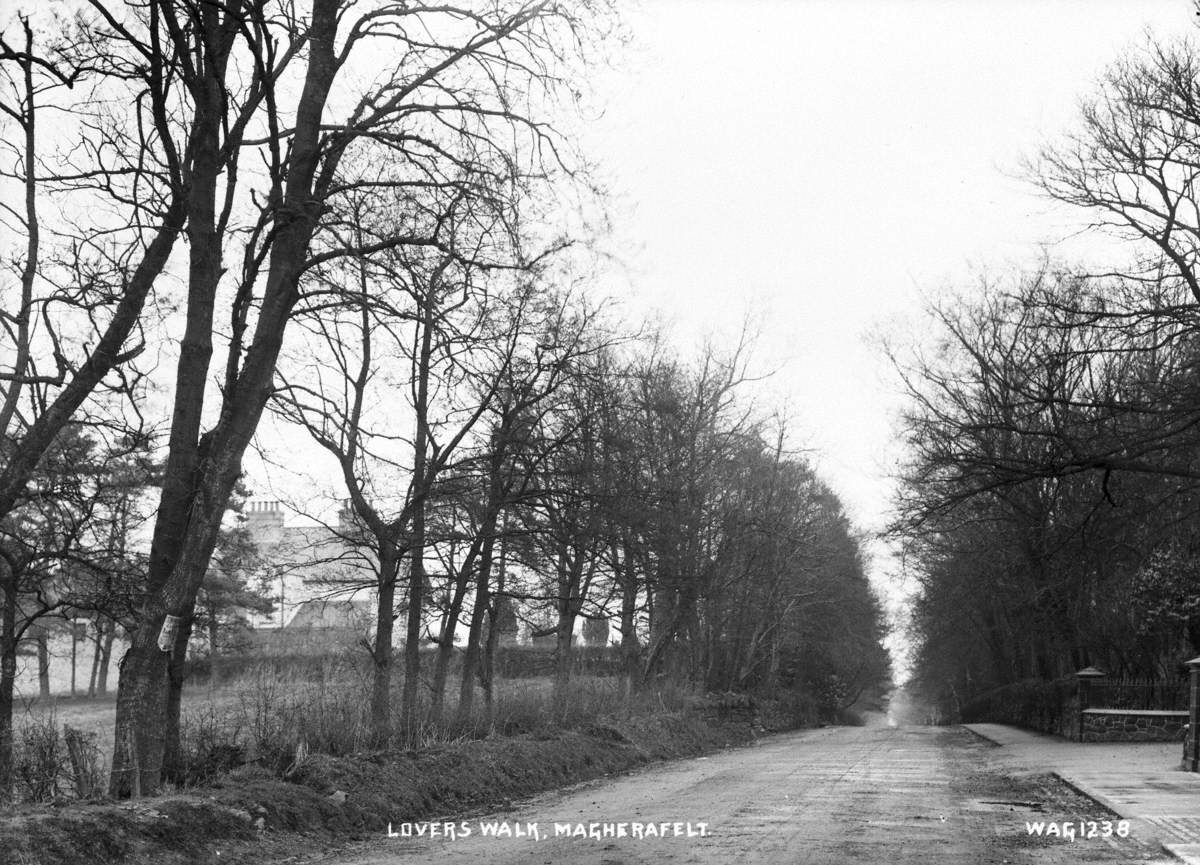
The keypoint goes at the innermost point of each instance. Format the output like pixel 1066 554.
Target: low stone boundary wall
pixel 1132 725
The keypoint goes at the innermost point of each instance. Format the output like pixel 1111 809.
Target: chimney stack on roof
pixel 264 519
pixel 347 519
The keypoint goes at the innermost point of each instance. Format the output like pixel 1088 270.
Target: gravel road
pixel 835 795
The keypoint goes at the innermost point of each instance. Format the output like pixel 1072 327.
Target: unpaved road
pixel 835 795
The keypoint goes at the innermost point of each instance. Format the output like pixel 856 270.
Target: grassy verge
pixel 258 811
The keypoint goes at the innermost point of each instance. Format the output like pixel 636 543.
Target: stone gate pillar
pixel 1191 744
pixel 1085 677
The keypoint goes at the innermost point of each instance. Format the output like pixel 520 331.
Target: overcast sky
pixel 824 163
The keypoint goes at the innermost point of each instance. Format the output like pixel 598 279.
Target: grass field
pixel 95 716
pixel 272 720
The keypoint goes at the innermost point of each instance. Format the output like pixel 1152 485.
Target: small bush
pixel 209 746
pixel 274 723
pixel 84 756
pixel 39 760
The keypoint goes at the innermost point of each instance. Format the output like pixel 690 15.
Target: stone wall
pixel 1132 725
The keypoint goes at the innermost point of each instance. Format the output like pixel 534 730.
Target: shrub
pixel 284 723
pixel 84 756
pixel 209 745
pixel 39 760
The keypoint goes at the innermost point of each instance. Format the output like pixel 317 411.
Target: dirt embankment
pixel 250 815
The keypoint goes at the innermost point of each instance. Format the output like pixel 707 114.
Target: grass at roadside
pixel 285 766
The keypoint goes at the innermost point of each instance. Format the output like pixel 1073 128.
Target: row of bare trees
pixel 1050 505
pixel 505 448
pixel 183 173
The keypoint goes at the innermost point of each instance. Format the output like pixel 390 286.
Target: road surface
pixel 877 794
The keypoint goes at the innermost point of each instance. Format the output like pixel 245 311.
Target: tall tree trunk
pixel 487 663
pixel 445 653
pixel 176 674
pixel 27 119
pixel 412 637
pixel 696 645
pixel 476 660
pixel 568 608
pixel 195 349
pixel 74 655
pixel 105 656
pixel 381 654
pixel 97 643
pixel 441 670
pixel 144 689
pixel 480 612
pixel 139 736
pixel 630 645
pixel 664 625
pixel 8 678
pixel 564 639
pixel 43 658
pixel 214 658
pixel 487 668
pixel 416 583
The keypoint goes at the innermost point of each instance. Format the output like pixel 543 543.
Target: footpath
pixel 1140 781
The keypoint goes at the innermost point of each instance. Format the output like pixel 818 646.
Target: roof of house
pixel 331 613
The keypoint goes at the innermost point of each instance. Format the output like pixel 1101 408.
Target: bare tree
pixel 564 517
pixel 76 310
pixel 1134 159
pixel 347 407
pixel 315 151
pixel 81 285
pixel 533 387
pixel 459 335
pixel 1053 447
pixel 62 552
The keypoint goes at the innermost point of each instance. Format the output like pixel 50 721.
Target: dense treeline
pixel 350 215
pixel 1050 504
pixel 1040 550
pixel 536 461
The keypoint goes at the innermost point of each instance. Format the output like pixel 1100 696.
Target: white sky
pixel 822 163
